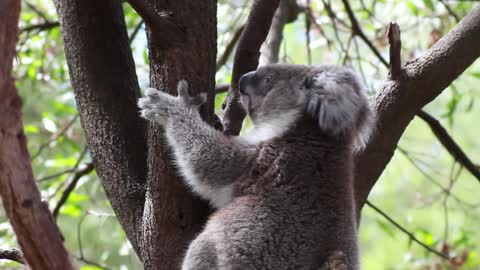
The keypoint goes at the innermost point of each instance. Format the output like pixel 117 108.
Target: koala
pixel 283 193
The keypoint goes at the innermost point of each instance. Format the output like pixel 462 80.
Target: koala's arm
pixel 209 161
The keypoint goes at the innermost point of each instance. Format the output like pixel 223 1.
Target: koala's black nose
pixel 244 81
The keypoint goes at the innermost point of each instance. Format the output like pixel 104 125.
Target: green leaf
pixel 429 4
pixel 470 104
pixel 472 260
pixel 426 236
pixel 32 73
pixel 412 7
pixel 31 129
pixel 75 197
pixel 385 228
pixel 452 104
pixel 476 74
pixel 71 210
pixel 145 56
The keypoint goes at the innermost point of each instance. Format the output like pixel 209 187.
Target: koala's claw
pixel 194 101
pixel 151 92
pixel 182 88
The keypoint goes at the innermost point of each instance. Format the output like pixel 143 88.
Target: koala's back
pixel 288 212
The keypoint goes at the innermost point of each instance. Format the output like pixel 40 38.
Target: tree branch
pixel 443 136
pixel 395 50
pixel 55 137
pixel 12 254
pixel 399 100
pixel 271 46
pixel 229 48
pixel 409 234
pixel 450 11
pixel 447 141
pixel 165 29
pixel 131 38
pixel 246 59
pixel 68 190
pixel 39 27
pixel 357 30
pixel 221 88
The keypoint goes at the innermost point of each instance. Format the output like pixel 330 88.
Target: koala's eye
pixel 268 79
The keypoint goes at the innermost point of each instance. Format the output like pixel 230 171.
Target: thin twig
pixel 332 14
pixel 55 175
pixel 450 11
pixel 89 262
pixel 395 50
pixel 68 190
pixel 135 32
pixel 73 169
pixel 39 27
pixel 221 88
pixel 409 234
pixel 36 10
pixel 307 31
pixel 229 48
pixel 317 26
pixel 80 247
pixel 433 180
pixel 12 254
pixel 333 18
pixel 55 137
pixel 447 141
pixel 347 54
pixel 357 30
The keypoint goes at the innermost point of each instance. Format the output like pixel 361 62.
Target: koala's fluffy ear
pixel 334 101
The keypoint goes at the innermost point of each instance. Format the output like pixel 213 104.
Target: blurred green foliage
pixel 423 188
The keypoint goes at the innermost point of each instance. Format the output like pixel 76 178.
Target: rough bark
pixel 13 254
pixel 172 215
pixel 420 81
pixel 103 77
pixel 30 218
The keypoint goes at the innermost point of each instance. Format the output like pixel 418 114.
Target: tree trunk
pixel 172 216
pixel 159 215
pixel 103 77
pixel 36 231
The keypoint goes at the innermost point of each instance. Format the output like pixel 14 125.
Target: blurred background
pixel 424 195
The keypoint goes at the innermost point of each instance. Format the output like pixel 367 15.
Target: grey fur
pixel 284 192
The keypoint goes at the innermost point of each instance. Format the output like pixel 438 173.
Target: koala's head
pixel 272 90
pixel 331 95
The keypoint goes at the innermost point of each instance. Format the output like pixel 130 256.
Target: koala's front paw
pixel 158 106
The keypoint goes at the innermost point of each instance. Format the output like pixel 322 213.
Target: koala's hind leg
pixel 201 255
